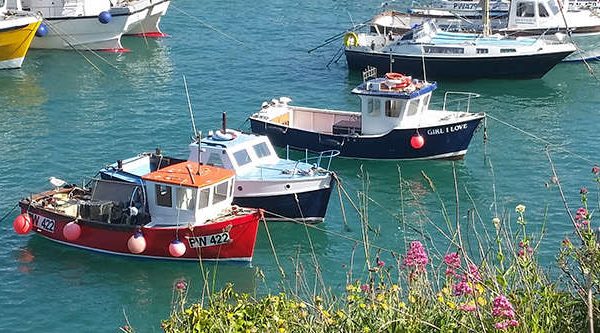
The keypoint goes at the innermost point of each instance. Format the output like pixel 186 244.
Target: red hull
pixel 241 236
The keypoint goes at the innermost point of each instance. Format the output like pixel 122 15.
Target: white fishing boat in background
pixel 80 24
pixel 143 16
pixel 17 30
pixel 526 18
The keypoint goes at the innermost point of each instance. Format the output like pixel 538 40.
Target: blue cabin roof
pixel 373 88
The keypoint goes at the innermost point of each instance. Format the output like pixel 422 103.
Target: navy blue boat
pixel 395 123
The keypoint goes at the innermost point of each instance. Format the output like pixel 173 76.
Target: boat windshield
pixel 261 150
pixel 242 157
pixel 186 198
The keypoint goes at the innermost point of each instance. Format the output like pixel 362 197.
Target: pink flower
pixel 502 308
pixel 566 242
pixel 181 285
pixel 581 214
pixel 452 260
pixel 365 288
pixel 596 169
pixel 474 273
pixel 416 257
pixel 583 191
pixel 467 307
pixel 380 263
pixel 462 288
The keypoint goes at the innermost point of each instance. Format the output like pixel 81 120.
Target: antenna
pixel 187 94
pixel 391 63
pixel 199 141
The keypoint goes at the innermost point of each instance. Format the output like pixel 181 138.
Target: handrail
pixel 468 97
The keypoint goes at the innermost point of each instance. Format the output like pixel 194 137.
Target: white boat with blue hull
pixel 395 123
pixel 285 189
pixel 455 55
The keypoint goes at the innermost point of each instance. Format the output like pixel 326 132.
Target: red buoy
pixel 22 224
pixel 71 231
pixel 417 141
pixel 177 248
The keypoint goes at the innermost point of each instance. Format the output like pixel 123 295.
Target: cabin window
pixel 214 159
pixel 203 197
pixel 426 100
pixel 507 50
pixel 542 10
pixel 261 150
pixel 553 6
pixel 186 198
pixel 373 107
pixel 242 157
pixel 413 107
pixel 163 195
pixel 482 51
pixel 393 108
pixel 443 50
pixel 525 9
pixel 220 192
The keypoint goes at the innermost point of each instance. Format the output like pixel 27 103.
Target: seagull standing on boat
pixel 57 182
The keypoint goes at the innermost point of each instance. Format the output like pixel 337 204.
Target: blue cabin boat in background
pixel 395 123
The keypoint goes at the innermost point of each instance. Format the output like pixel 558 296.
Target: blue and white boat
pixel 395 123
pixel 457 55
pixel 285 189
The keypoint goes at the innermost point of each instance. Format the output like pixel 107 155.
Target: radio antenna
pixel 187 95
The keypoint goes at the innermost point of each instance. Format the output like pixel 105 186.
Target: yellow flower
pixel 440 298
pixel 451 305
pixel 351 288
pixel 362 305
pixel 446 291
pixel 520 208
pixel 366 329
pixel 401 305
pixel 479 288
pixel 229 315
pixel 412 299
pixel 379 297
pixel 481 301
pixel 302 305
pixel 281 330
pixel 395 288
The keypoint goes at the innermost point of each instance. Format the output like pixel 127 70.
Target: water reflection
pixel 21 91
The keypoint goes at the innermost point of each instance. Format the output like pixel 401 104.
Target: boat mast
pixel 486 18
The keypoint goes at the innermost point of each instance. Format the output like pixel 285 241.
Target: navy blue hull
pixel 310 207
pixel 446 141
pixel 516 67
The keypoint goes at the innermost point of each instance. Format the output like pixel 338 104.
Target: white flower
pixel 520 209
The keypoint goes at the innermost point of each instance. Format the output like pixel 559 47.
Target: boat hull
pixel 148 25
pixel 448 141
pixel 14 44
pixel 308 206
pixel 83 33
pixel 522 67
pixel 113 238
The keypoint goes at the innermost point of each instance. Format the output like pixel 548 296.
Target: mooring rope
pixel 9 212
pixel 548 143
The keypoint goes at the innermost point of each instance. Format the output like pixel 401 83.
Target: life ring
pixel 227 136
pixel 398 80
pixel 351 39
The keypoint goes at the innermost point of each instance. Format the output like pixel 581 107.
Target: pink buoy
pixel 177 248
pixel 72 231
pixel 417 141
pixel 136 243
pixel 22 224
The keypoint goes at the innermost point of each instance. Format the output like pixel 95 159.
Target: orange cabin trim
pixel 186 174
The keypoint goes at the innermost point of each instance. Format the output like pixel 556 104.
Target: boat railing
pixel 317 159
pixel 458 98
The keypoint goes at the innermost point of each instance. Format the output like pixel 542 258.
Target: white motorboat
pixel 456 55
pixel 143 16
pixel 526 18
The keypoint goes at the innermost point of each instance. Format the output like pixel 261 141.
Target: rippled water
pixel 63 117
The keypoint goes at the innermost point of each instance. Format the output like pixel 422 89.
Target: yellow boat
pixel 17 30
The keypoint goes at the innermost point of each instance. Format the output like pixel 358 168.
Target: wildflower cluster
pixel 503 311
pixel 416 257
pixel 582 218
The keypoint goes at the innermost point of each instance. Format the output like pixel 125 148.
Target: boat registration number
pixel 209 240
pixel 43 223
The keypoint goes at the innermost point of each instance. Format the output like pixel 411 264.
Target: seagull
pixel 57 182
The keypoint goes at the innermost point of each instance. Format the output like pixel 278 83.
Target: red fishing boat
pixel 182 211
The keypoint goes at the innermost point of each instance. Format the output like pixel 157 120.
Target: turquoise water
pixel 62 117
